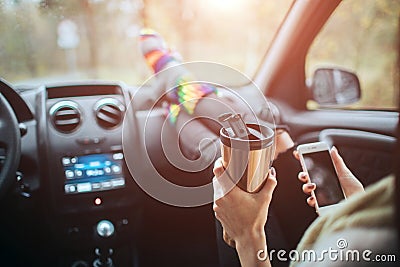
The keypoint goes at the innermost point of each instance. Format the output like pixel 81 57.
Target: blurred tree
pixel 143 14
pixel 82 11
pixel 91 35
pixel 17 43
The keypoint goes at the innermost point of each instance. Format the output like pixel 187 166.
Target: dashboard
pixel 73 165
pixel 84 204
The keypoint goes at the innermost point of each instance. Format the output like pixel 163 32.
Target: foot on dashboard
pixel 156 52
pixel 173 77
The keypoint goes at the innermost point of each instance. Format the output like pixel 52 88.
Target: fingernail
pixel 302 174
pixel 310 186
pixel 218 163
pixel 311 198
pixel 273 171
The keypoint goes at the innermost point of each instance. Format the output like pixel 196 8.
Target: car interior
pixel 79 158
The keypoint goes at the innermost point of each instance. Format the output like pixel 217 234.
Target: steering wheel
pixel 10 140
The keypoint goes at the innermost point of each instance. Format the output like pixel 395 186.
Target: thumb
pixel 269 186
pixel 222 184
pixel 218 168
pixel 340 166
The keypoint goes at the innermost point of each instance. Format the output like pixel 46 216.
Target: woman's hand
pixel 348 181
pixel 243 215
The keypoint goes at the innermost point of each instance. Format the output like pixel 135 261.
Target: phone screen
pixel 322 172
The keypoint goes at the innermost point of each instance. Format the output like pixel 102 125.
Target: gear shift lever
pixel 104 229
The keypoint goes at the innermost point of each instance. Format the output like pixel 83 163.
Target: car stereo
pixel 92 173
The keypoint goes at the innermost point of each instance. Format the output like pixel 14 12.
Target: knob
pixel 105 228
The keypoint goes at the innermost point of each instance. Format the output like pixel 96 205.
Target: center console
pixel 94 201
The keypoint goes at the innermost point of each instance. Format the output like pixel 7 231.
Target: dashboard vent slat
pixel 105 118
pixel 66 112
pixel 65 116
pixel 111 110
pixel 67 122
pixel 109 113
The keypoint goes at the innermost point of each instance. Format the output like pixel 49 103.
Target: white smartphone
pixel 316 160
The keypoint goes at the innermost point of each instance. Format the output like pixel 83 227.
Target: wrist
pixel 252 249
pixel 253 241
pixel 252 237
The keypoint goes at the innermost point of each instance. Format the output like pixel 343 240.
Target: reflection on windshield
pixel 46 40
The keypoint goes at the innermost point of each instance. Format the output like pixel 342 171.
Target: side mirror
pixel 331 86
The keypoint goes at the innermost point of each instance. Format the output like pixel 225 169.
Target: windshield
pixel 56 40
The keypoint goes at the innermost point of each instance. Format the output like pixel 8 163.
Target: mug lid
pixel 261 136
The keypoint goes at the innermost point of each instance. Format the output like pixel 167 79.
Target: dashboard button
pixel 69 174
pixel 116 148
pixel 96 186
pixel 107 170
pixel 84 187
pixel 83 141
pixel 66 161
pixel 90 140
pixel 97 140
pixel 70 188
pixel 106 184
pixel 98 201
pixel 118 156
pixel 118 182
pixel 116 169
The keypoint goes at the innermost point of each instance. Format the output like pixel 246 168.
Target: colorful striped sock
pixel 185 92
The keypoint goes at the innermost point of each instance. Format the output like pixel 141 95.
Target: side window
pixel 362 37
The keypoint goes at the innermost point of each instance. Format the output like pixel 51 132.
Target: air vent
pixel 109 113
pixel 65 116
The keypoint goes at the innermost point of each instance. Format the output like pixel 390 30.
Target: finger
pixel 338 161
pixel 222 186
pixel 296 154
pixel 336 158
pixel 269 185
pixel 228 239
pixel 232 243
pixel 218 212
pixel 215 207
pixel 218 168
pixel 216 215
pixel 303 177
pixel 308 188
pixel 311 201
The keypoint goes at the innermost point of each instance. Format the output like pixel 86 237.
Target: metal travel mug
pixel 247 151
